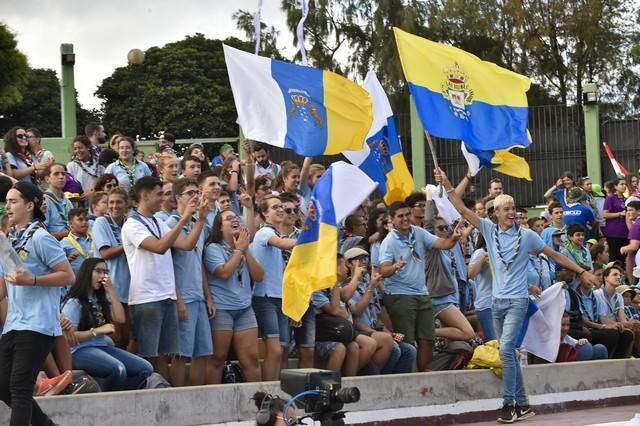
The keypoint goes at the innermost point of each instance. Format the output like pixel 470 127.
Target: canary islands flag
pixel 381 155
pixel 312 265
pixel 459 96
pixel 500 160
pixel 308 110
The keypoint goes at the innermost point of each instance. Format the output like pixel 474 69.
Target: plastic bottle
pixel 10 260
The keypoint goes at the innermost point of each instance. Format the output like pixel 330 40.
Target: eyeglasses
pixel 293 210
pixel 191 193
pixel 101 271
pixel 277 207
pixel 231 218
pixel 21 136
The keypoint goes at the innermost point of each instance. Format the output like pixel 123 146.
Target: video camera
pixel 330 397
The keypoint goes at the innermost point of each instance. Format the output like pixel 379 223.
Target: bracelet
pixel 93 332
pixel 235 250
pixel 582 272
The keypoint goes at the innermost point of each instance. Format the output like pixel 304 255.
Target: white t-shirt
pixel 152 276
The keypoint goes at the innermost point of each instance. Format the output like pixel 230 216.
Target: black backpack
pixel 454 356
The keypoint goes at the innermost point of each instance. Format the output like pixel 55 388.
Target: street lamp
pixel 135 57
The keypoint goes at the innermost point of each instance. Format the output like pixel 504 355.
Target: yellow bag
pixel 487 356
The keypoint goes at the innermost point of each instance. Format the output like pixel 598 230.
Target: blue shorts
pixel 156 328
pixel 440 308
pixel 305 335
pixel 195 331
pixel 324 351
pixel 234 320
pixel 271 321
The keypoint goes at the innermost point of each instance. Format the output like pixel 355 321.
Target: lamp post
pixel 135 57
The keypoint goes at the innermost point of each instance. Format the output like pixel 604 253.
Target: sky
pixel 102 32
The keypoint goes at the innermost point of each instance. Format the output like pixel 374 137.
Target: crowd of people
pixel 129 264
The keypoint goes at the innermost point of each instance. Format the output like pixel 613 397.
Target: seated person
pixel 631 297
pixel 93 307
pixel 328 303
pixel 585 351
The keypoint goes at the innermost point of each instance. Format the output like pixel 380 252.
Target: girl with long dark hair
pixel 93 308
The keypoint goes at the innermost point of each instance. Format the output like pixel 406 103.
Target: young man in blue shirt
pixel 509 247
pixel 402 267
pixel 33 289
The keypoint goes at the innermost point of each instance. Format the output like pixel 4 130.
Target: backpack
pixel 232 373
pixel 454 356
pixel 82 383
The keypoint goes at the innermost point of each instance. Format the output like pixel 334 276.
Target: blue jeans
pixel 588 352
pixel 486 323
pixel 508 316
pixel 401 360
pixel 113 368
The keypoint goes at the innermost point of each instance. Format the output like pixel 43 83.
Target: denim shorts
pixel 156 328
pixel 439 308
pixel 234 319
pixel 305 335
pixel 324 351
pixel 271 321
pixel 195 331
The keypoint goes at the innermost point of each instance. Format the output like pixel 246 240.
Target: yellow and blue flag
pixel 381 155
pixel 312 265
pixel 311 111
pixel 501 160
pixel 459 96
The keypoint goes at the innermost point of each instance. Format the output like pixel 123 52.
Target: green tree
pixel 14 68
pixel 268 34
pixel 182 87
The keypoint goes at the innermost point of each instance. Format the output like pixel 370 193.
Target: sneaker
pixel 524 412
pixel 636 272
pixel 55 385
pixel 508 414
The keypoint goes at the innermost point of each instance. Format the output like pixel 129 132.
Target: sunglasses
pixel 22 136
pixel 293 210
pixel 110 185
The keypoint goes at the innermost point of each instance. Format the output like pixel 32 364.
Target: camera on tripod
pixel 321 393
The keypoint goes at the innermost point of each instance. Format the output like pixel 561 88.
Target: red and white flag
pixel 617 167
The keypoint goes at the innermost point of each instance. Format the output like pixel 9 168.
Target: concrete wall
pixel 232 403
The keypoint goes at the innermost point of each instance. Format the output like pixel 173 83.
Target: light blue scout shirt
pixel 86 245
pixel 411 278
pixel 72 309
pixel 509 254
pixel 271 260
pixel 482 282
pixel 322 297
pixel 107 233
pixel 187 265
pixel 35 308
pixel 539 272
pixel 164 216
pixel 374 256
pixel 591 306
pixel 233 293
pixel 141 170
pixel 612 304
pixel 57 212
pixel 17 163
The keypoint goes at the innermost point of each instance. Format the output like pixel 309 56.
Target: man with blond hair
pixel 509 246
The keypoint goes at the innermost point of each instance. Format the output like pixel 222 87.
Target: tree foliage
pixel 13 69
pixel 181 87
pixel 558 43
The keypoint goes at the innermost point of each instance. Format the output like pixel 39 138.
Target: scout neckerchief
pixel 19 240
pixel 501 253
pixel 228 250
pixel 73 240
pixel 536 261
pixel 115 229
pixel 60 205
pixel 594 305
pixel 608 299
pixel 579 258
pixel 410 242
pixel 130 171
pixel 136 216
pixel 26 159
pixel 85 168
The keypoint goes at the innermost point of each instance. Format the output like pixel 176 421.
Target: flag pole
pixel 435 158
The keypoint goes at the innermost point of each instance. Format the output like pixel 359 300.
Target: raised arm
pixel 548 195
pixel 457 202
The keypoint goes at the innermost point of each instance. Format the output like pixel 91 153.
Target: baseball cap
pixel 354 252
pixel 625 288
pixel 31 193
pixel 225 147
pixel 597 189
pixel 614 264
pixel 630 200
pixel 592 241
pixel 575 194
pixel 558 232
